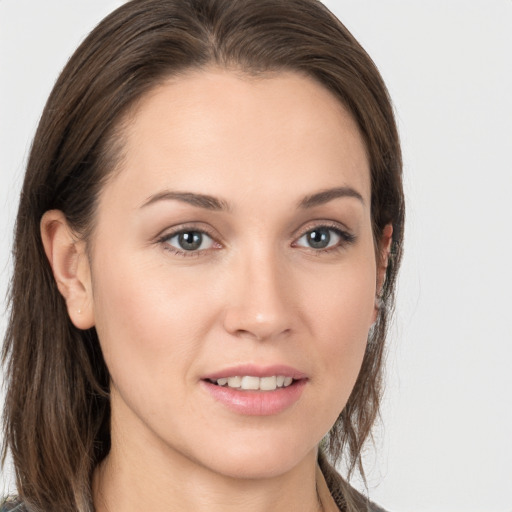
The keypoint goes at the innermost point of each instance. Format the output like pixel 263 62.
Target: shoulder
pixel 342 492
pixel 11 504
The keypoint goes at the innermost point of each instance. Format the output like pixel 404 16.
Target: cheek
pixel 144 315
pixel 341 317
pixel 343 300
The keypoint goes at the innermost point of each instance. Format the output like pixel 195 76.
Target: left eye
pixel 320 238
pixel 190 240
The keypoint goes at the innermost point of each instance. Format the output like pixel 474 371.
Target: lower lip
pixel 256 403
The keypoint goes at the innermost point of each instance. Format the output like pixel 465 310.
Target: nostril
pixel 260 334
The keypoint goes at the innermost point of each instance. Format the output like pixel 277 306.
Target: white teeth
pixel 268 383
pixel 248 382
pixel 234 382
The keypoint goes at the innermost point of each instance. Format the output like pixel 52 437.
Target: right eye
pixel 189 240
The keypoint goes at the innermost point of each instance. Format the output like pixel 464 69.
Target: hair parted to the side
pixel 57 415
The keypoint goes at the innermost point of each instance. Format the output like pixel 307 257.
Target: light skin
pixel 283 273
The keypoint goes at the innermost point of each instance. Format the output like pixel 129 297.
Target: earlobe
pixel 70 266
pixel 382 265
pixel 385 250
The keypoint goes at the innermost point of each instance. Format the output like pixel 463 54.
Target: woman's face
pixel 234 248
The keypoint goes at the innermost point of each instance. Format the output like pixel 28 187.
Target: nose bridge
pixel 258 306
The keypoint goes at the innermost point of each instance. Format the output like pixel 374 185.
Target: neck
pixel 127 485
pixel 143 471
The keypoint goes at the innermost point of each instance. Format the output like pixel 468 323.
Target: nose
pixel 259 304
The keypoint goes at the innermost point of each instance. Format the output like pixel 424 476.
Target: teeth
pixel 268 383
pixel 234 382
pixel 248 382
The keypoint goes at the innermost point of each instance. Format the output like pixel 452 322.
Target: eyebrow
pixel 215 204
pixel 200 200
pixel 325 196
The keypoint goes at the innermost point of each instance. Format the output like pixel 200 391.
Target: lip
pixel 256 403
pixel 257 371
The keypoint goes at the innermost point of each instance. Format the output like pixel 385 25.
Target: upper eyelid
pixel 347 236
pixel 169 232
pixel 330 224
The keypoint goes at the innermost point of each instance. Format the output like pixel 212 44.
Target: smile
pixel 251 383
pixel 256 390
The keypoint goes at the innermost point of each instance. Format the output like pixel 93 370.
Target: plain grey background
pixel 446 440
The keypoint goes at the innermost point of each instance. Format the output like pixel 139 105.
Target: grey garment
pixel 11 505
pixel 339 488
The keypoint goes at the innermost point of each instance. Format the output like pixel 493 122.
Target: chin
pixel 258 460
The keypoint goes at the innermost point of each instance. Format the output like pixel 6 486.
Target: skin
pixel 255 292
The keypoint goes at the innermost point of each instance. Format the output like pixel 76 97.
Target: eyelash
pixel 164 241
pixel 346 239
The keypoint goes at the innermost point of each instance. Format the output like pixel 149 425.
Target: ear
pixel 70 265
pixel 382 264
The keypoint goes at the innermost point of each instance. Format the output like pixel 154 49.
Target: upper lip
pixel 256 371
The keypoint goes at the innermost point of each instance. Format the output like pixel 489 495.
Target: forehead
pixel 211 127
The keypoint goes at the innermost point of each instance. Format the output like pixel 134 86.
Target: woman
pixel 205 256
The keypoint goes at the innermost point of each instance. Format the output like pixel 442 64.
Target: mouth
pixel 256 390
pixel 253 383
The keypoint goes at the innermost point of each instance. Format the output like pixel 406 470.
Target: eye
pixel 189 241
pixel 323 237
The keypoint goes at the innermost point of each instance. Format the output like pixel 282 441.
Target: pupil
pixel 190 241
pixel 319 238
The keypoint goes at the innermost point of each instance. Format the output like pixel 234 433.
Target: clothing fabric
pixel 337 489
pixel 324 494
pixel 11 505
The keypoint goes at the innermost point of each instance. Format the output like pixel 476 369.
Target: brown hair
pixel 57 413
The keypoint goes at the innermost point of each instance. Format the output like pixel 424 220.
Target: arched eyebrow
pixel 324 196
pixel 200 200
pixel 215 204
